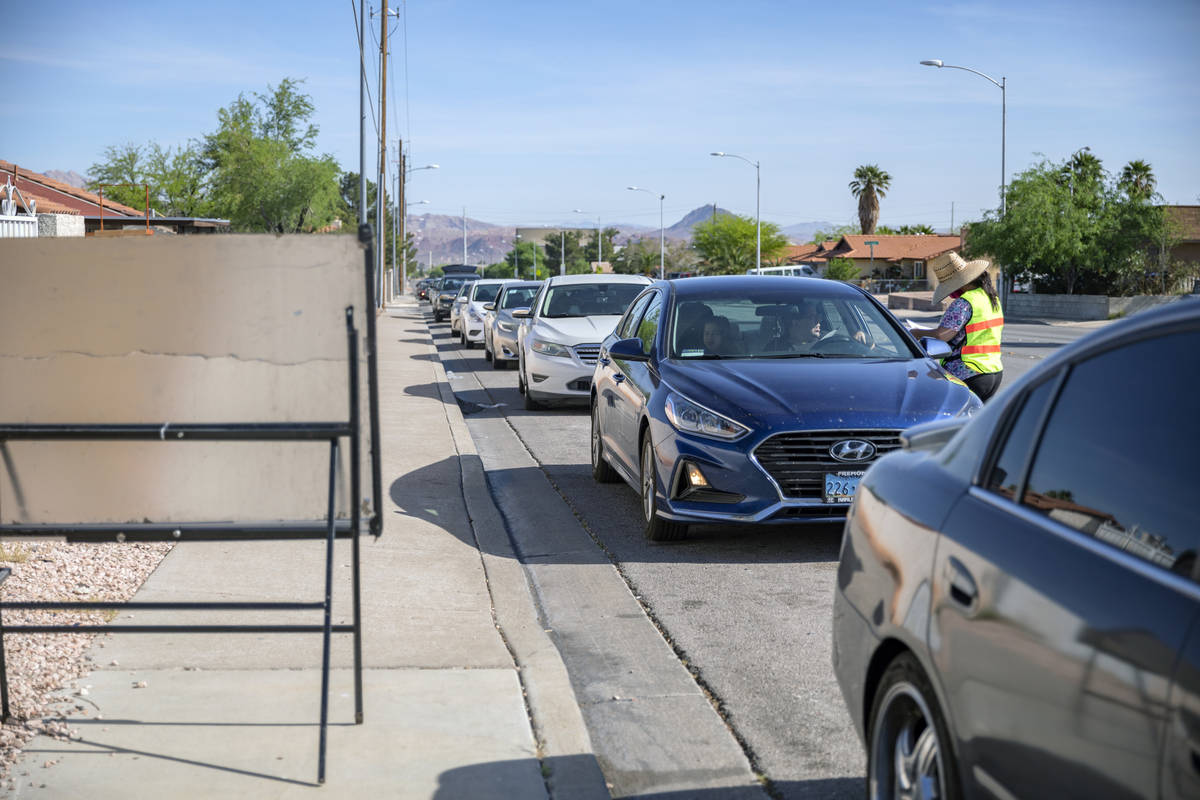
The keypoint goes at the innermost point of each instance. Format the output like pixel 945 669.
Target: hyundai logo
pixel 852 450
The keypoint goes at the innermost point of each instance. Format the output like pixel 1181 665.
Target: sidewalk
pixel 465 696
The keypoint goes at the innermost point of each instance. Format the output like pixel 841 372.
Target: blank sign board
pixel 168 330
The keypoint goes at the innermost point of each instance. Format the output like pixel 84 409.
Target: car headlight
pixel 971 407
pixel 694 418
pixel 550 349
pixel 507 327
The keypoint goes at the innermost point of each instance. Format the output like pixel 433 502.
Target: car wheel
pixel 498 364
pixel 487 351
pixel 520 377
pixel 657 528
pixel 530 403
pixel 909 753
pixel 602 471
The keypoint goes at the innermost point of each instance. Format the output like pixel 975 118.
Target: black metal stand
pixel 330 529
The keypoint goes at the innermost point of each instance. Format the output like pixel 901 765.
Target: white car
pixel 560 335
pixel 456 307
pixel 471 312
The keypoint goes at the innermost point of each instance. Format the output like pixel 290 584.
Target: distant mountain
pixel 802 232
pixel 439 237
pixel 70 177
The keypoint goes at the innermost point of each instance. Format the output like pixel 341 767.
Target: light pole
pixel 757 204
pixel 662 232
pixel 599 241
pixel 404 218
pixel 1002 85
pixel 516 255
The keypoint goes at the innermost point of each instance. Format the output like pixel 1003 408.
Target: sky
pixel 535 109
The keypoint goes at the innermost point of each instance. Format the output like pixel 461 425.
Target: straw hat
pixel 955 274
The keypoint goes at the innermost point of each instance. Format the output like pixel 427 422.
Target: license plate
pixel 841 486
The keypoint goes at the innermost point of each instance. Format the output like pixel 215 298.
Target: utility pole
pixel 562 251
pixel 464 235
pixel 401 186
pixel 383 51
pixel 362 113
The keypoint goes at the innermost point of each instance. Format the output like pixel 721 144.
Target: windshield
pixel 589 299
pixel 486 293
pixel 783 325
pixel 518 298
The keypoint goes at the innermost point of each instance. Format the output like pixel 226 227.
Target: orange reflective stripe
pixel 991 323
pixel 972 349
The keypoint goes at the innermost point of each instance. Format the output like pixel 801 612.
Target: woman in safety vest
pixel 971 325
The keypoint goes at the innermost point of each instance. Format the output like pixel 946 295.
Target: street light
pixel 516 256
pixel 404 220
pixel 599 244
pixel 1002 83
pixel 662 233
pixel 757 205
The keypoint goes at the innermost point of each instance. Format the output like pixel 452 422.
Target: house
pixel 880 256
pixel 66 210
pixel 1185 227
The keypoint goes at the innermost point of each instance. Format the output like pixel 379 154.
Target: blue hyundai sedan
pixel 757 399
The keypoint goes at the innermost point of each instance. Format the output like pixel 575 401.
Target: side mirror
pixel 521 313
pixel 489 306
pixel 935 348
pixel 628 350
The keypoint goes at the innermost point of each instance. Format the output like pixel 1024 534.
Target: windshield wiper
pixel 791 355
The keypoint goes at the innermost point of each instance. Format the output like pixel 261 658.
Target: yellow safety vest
pixel 981 350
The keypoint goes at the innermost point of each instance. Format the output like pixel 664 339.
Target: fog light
pixel 695 477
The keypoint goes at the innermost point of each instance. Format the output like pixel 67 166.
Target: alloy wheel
pixel 906 752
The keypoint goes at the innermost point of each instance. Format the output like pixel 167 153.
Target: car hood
pixel 820 393
pixel 575 330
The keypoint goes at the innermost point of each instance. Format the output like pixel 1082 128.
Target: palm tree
pixel 870 183
pixel 1138 180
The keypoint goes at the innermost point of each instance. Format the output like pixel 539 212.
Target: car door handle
pixel 963 589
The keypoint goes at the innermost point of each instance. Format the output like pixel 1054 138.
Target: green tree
pixel 1073 229
pixel 264 176
pixel 642 257
pixel 870 184
pixel 1137 180
pixel 913 230
pixel 576 256
pixel 521 257
pixel 176 178
pixel 726 245
pixel 835 234
pixel 841 269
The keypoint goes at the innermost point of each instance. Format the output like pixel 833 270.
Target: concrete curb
pixel 570 766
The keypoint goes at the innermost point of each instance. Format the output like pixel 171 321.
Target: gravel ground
pixel 43 668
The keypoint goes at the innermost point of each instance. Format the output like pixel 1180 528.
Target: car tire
pixel 487 351
pixel 906 731
pixel 602 471
pixel 498 364
pixel 530 403
pixel 520 378
pixel 657 528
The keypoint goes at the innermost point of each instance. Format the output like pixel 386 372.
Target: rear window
pixel 590 299
pixel 487 292
pixel 518 298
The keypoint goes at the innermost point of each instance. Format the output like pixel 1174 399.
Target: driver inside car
pixel 800 331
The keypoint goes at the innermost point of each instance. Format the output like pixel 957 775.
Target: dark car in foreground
pixel 1017 612
pixel 444 293
pixel 757 399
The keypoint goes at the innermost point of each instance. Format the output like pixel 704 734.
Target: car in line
pixel 1017 605
pixel 499 327
pixel 444 293
pixel 748 399
pixel 471 316
pixel 560 335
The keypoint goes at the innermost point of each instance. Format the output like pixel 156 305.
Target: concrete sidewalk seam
pixel 564 746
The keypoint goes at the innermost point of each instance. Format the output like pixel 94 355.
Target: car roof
pixel 598 277
pixel 495 280
pixel 716 284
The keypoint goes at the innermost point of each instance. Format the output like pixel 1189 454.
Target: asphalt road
pixel 746 610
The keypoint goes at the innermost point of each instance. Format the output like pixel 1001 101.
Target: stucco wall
pixel 173 330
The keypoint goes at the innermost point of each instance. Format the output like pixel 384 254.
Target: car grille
pixel 798 461
pixel 587 353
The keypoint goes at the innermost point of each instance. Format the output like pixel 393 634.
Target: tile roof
pixel 52 195
pixel 1188 220
pixel 889 248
